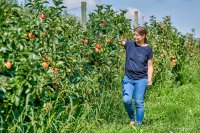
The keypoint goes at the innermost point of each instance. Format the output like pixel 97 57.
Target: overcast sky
pixel 184 13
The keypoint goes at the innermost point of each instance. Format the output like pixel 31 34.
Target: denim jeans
pixel 134 89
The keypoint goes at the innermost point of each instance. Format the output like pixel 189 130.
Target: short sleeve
pixel 150 53
pixel 127 43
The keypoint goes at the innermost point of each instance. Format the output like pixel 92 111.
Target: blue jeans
pixel 134 89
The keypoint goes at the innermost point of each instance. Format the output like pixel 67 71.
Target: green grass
pixel 166 110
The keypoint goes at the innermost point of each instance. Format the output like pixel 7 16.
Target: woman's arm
pixel 122 42
pixel 150 71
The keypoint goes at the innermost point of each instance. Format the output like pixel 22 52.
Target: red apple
pixel 55 70
pixel 45 65
pixel 42 16
pixel 31 36
pixel 96 50
pixel 86 41
pixel 55 86
pixel 98 45
pixel 8 64
pixel 103 23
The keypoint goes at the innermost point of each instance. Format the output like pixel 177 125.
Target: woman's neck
pixel 141 44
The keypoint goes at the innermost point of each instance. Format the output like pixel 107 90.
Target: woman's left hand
pixel 149 82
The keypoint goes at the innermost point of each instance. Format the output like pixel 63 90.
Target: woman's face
pixel 138 38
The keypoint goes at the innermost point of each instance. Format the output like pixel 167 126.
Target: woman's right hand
pixel 122 43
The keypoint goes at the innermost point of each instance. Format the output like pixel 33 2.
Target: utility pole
pixel 135 19
pixel 83 14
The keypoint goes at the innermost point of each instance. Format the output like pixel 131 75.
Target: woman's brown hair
pixel 142 31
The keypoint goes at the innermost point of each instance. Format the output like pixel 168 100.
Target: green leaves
pixel 51 63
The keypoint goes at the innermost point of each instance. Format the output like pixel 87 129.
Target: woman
pixel 138 74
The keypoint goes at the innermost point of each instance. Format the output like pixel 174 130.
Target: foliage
pixel 57 77
pixel 172 51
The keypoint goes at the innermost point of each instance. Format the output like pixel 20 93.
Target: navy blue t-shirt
pixel 137 57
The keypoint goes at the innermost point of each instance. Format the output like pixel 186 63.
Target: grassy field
pixel 166 110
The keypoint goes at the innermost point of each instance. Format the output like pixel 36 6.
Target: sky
pixel 183 13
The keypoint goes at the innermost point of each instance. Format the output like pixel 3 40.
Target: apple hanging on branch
pixel 8 64
pixel 42 16
pixel 86 41
pixel 31 36
pixel 103 23
pixel 45 65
